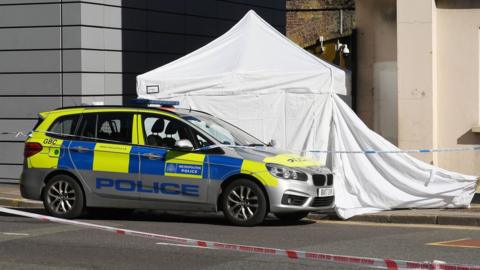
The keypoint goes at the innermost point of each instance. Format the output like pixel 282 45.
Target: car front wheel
pixel 244 203
pixel 63 197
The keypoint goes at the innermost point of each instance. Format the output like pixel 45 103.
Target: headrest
pixel 172 128
pixel 158 126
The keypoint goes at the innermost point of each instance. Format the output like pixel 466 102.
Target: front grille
pixel 289 199
pixel 321 180
pixel 322 201
pixel 329 179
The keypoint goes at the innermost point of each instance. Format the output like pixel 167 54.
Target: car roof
pixel 172 111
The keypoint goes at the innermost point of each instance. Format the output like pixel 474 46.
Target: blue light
pixel 142 101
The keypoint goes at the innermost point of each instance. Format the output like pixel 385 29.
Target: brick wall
pixel 309 19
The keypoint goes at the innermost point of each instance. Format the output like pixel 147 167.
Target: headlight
pixel 286 172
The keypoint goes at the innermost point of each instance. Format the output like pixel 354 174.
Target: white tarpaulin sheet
pixel 254 77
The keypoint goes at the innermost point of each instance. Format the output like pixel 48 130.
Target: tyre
pixel 244 203
pixel 292 216
pixel 63 197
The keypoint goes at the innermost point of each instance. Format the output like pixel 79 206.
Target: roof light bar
pixel 168 103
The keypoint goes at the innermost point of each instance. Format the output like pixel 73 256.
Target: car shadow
pixel 216 219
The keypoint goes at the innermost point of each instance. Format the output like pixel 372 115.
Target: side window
pixel 164 132
pixel 115 127
pixel 64 126
pixel 87 127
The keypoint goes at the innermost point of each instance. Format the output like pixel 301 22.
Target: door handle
pixel 152 156
pixel 80 149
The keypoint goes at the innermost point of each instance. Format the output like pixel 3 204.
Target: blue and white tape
pixel 399 151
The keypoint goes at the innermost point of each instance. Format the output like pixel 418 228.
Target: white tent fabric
pixel 254 77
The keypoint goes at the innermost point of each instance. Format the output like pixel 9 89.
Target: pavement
pixel 10 197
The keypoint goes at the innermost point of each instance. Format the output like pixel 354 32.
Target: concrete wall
pixel 377 66
pixel 437 73
pixel 55 53
pixel 458 54
pixel 417 74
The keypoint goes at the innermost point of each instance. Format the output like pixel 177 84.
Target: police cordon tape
pixel 288 253
pixel 399 151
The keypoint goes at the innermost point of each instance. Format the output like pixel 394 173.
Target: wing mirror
pixel 272 143
pixel 184 145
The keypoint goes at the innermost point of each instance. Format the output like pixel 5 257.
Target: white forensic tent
pixel 256 78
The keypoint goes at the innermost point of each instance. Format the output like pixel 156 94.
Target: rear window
pixel 64 126
pixel 110 127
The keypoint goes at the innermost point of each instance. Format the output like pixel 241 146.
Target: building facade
pixel 419 76
pixel 325 28
pixel 61 53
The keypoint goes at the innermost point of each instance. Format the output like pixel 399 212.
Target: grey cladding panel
pixel 30 38
pixel 4 2
pixel 27 107
pixel 23 126
pixel 30 84
pixel 10 171
pixel 118 3
pixel 12 152
pixel 30 15
pixel 29 61
pixel 71 13
pixel 72 37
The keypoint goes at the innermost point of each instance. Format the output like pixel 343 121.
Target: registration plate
pixel 325 192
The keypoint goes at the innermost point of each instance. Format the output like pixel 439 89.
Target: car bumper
pixel 303 194
pixel 32 184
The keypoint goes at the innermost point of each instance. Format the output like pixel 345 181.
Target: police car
pixel 165 158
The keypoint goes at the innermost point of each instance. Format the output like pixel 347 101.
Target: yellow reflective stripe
pixel 111 157
pixel 182 158
pixel 292 160
pixel 48 157
pixel 259 171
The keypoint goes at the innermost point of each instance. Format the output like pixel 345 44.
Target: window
pixel 64 126
pixel 164 132
pixel 87 126
pixel 111 127
pixel 201 140
pixel 116 127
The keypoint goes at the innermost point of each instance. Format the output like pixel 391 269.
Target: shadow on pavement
pixel 172 217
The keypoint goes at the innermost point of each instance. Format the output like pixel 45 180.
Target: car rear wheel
pixel 244 203
pixel 291 217
pixel 63 197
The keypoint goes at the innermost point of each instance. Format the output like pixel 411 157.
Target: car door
pixel 168 174
pixel 102 154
